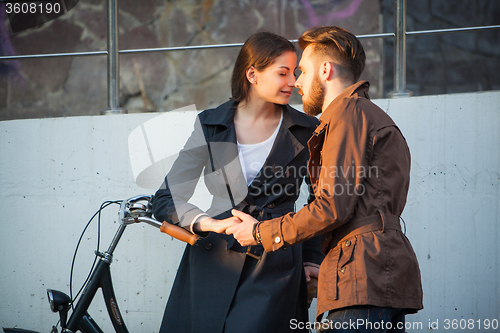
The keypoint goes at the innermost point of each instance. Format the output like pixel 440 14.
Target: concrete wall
pixel 55 173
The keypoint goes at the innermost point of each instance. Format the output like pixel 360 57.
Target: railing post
pixel 113 61
pixel 399 51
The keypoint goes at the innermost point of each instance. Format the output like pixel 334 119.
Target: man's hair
pixel 340 46
pixel 259 51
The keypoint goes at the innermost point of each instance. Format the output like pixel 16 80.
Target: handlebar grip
pixel 179 233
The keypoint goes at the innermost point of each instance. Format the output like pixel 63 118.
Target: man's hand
pixel 242 231
pixel 219 226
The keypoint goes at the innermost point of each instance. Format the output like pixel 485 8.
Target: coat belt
pixel 381 221
pixel 260 213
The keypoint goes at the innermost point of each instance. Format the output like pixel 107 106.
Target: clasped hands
pixel 239 225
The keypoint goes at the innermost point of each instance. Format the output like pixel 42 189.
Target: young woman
pixel 253 153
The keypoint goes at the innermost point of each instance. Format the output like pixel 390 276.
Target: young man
pixel 359 168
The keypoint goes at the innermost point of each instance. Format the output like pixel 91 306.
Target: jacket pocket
pixel 346 269
pixel 328 276
pixel 335 272
pixel 347 251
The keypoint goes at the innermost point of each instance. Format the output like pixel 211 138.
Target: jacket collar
pixel 359 88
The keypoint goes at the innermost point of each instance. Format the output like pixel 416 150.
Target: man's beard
pixel 313 105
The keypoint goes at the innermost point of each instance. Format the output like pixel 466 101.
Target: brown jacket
pixel 360 168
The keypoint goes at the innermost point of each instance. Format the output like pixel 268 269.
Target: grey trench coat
pixel 219 287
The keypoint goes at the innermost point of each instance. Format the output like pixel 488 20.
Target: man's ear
pixel 252 75
pixel 327 70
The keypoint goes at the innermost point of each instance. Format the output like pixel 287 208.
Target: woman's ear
pixel 252 75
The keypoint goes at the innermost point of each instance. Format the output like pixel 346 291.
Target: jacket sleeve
pixel 339 184
pixel 170 202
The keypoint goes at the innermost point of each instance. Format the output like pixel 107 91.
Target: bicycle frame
pixel 131 211
pixel 101 278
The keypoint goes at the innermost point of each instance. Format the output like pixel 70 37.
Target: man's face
pixel 310 86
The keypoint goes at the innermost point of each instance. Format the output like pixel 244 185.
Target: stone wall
pixel 164 81
pixel 160 81
pixel 446 63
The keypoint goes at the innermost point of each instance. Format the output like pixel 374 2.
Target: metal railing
pixel 113 60
pixel 113 51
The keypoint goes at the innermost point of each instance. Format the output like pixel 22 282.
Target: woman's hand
pixel 219 226
pixel 242 231
pixel 311 272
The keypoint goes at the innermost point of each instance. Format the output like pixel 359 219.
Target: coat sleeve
pixel 170 202
pixel 338 187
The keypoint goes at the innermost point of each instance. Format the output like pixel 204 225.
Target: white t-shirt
pixel 253 156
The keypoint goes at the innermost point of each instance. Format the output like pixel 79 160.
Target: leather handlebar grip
pixel 179 233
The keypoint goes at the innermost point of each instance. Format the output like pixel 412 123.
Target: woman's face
pixel 276 82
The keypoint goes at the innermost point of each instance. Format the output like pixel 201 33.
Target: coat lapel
pixel 224 150
pixel 285 148
pixel 315 145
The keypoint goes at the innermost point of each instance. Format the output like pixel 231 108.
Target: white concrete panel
pixel 55 173
pixel 452 213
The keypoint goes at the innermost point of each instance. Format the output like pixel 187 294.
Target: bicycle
pixel 134 210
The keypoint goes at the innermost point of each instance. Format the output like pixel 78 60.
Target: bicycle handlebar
pixel 179 233
pixel 131 211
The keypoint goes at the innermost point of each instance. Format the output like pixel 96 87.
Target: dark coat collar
pixel 286 146
pixel 223 115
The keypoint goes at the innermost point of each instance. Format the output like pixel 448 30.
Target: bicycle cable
pixel 98 213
